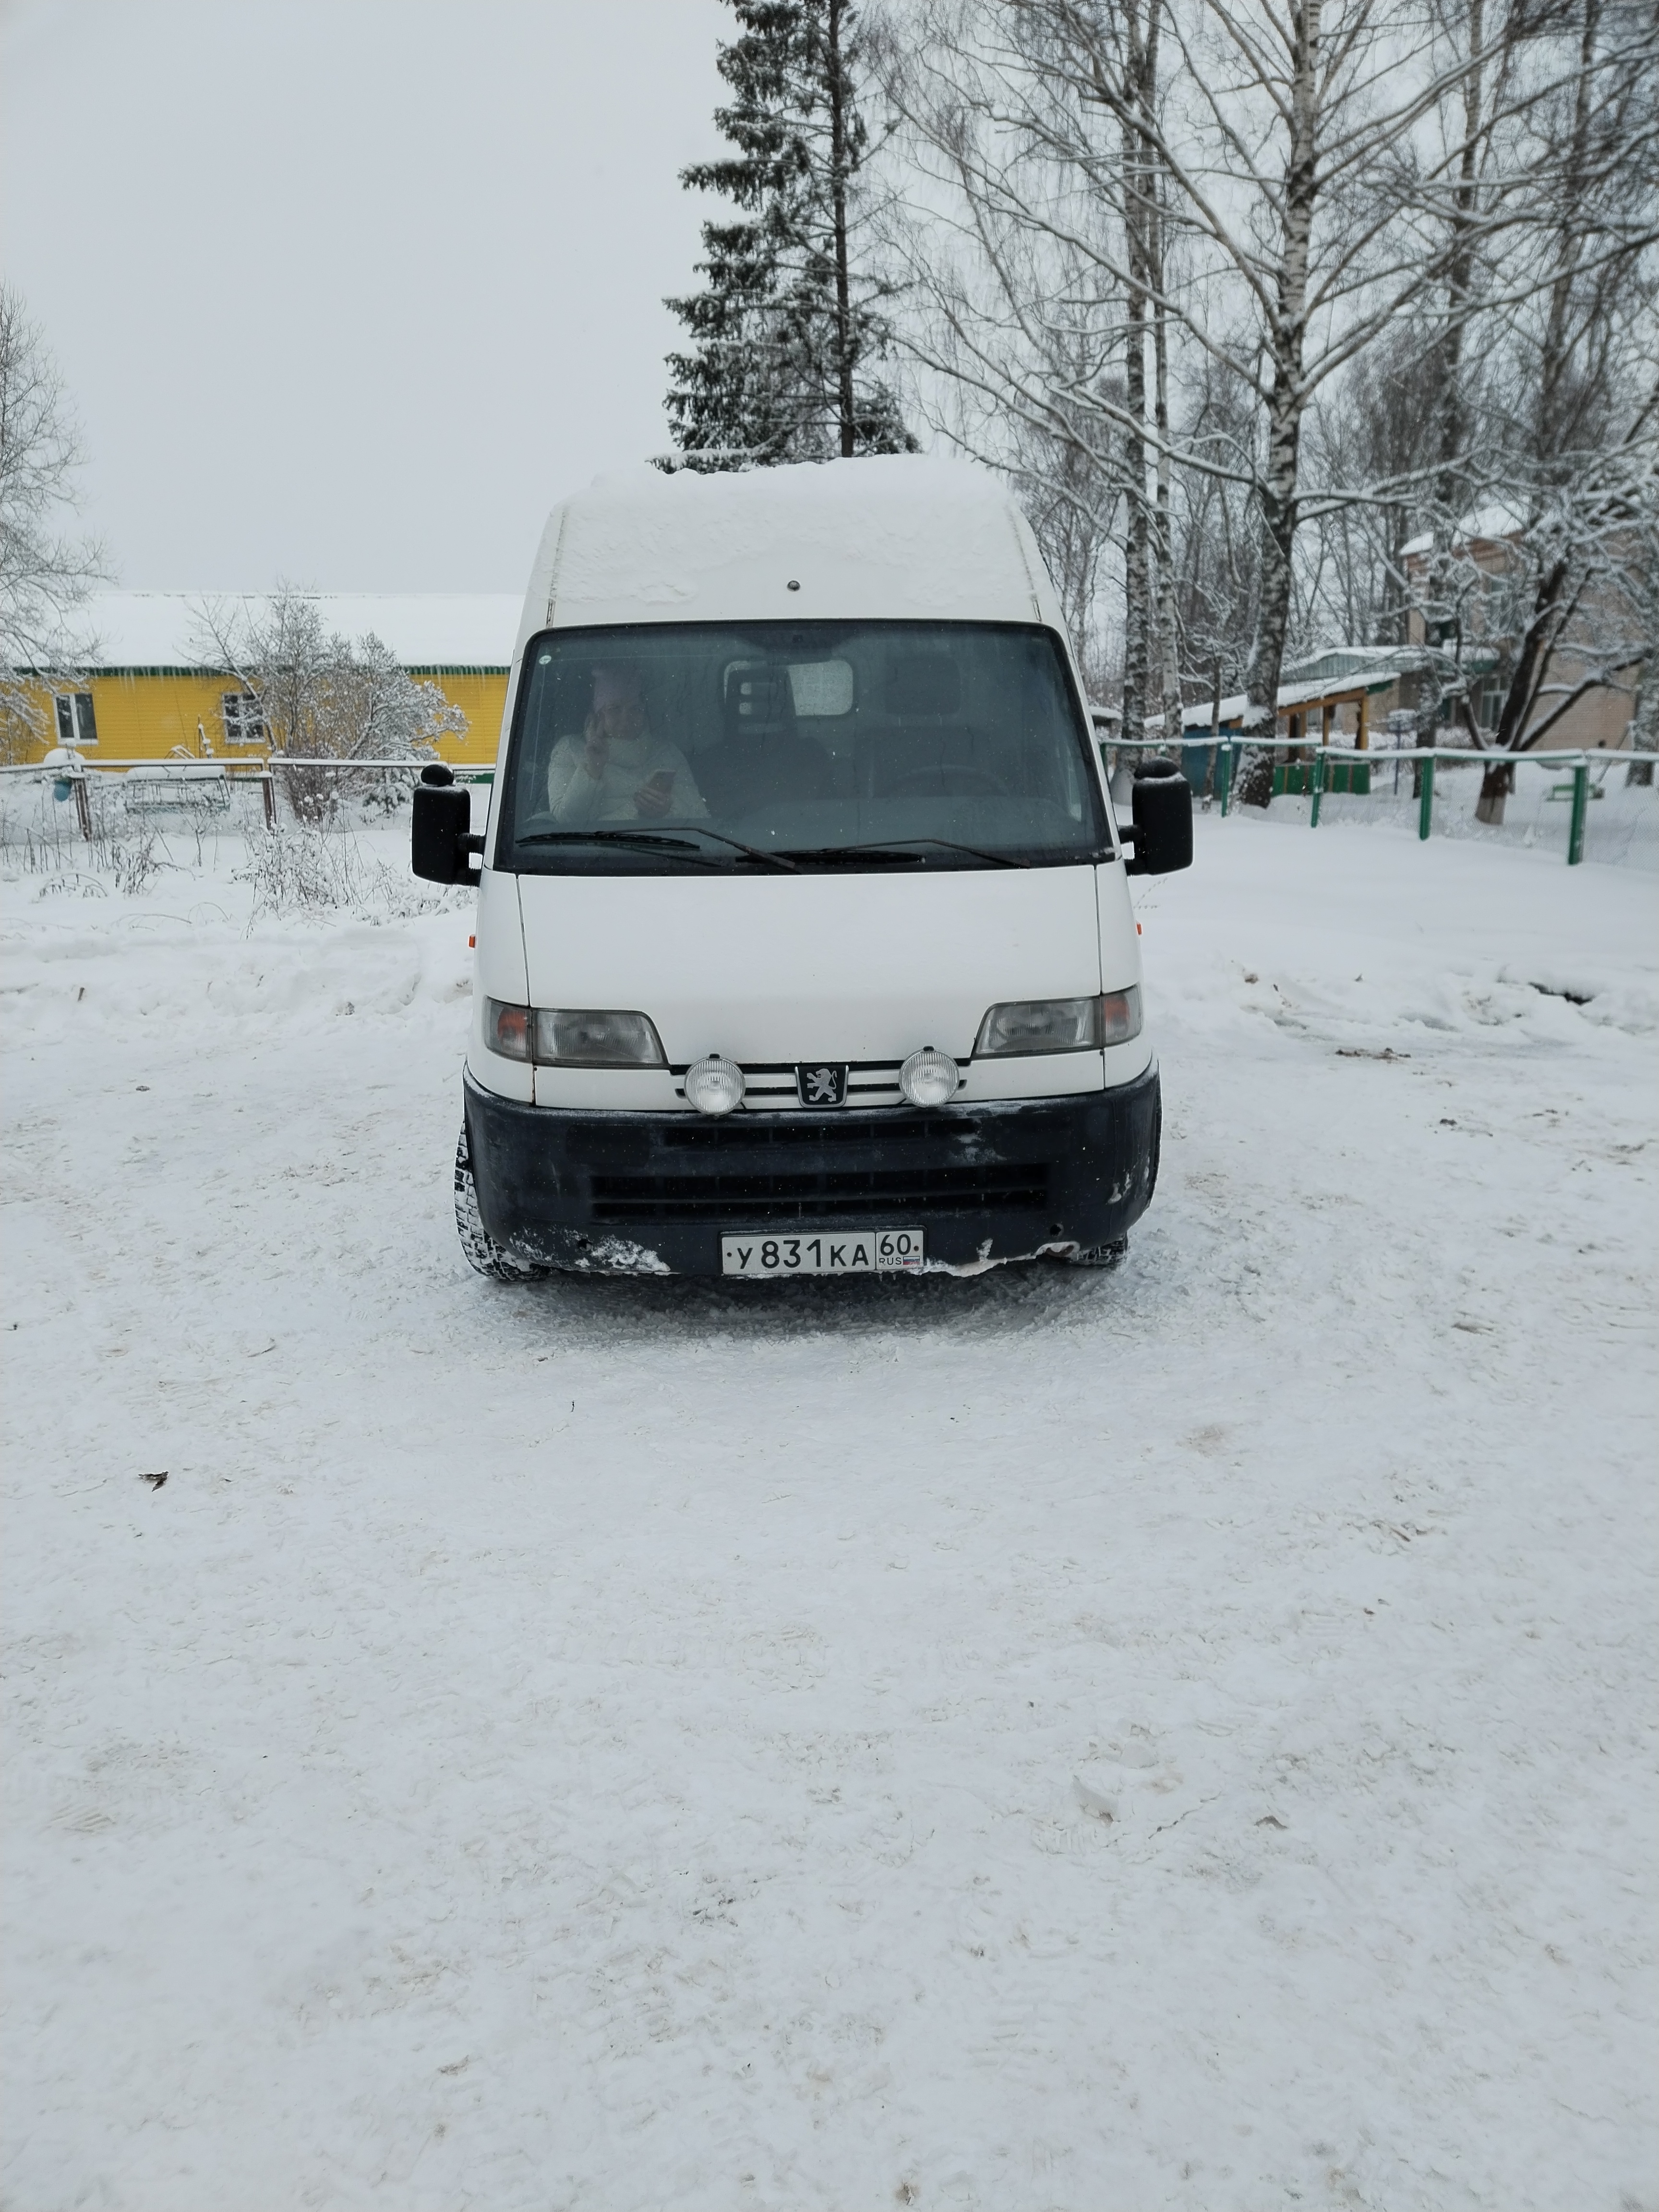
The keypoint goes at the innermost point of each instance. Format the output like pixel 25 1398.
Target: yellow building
pixel 144 694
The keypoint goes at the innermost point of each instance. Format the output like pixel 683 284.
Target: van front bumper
pixel 655 1193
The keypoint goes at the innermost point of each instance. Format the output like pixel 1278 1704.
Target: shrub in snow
pixel 323 697
pixel 305 868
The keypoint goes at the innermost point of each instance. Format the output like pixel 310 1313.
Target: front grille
pixel 874 1195
pixel 735 1132
pixel 769 1085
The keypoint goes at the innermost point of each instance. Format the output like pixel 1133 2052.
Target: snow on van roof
pixel 893 537
pixel 424 629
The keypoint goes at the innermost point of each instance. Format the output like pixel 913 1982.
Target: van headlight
pixel 566 1038
pixel 1035 1025
pixel 554 1036
pixel 507 1029
pixel 929 1078
pixel 713 1085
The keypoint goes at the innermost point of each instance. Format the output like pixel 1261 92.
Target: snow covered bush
pixel 305 868
pixel 323 697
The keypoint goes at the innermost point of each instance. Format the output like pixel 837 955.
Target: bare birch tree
pixel 1300 204
pixel 1036 304
pixel 45 578
pixel 1542 528
pixel 1071 504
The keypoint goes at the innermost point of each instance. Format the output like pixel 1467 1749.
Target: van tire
pixel 1099 1256
pixel 481 1250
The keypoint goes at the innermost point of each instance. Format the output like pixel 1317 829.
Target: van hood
pixel 841 967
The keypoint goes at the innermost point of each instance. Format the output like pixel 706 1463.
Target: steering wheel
pixel 949 781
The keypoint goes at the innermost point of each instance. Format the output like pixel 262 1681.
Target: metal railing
pixel 1315 762
pixel 1321 771
pixel 194 772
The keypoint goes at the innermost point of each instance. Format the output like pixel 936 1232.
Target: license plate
pixel 823 1252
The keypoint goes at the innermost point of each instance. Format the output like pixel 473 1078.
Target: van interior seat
pixel 926 742
pixel 953 759
pixel 762 759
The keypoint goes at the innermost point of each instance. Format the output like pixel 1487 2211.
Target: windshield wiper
pixel 904 848
pixel 654 841
pixel 755 852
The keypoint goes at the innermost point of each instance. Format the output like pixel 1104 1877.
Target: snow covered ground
pixel 1177 1738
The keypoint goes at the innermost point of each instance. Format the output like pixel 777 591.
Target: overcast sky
pixel 351 291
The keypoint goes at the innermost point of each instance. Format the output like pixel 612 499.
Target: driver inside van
pixel 619 770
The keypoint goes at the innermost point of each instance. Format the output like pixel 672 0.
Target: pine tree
pixel 786 334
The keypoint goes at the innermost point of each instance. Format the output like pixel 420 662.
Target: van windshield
pixel 689 747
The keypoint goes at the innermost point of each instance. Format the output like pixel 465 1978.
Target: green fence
pixel 1575 781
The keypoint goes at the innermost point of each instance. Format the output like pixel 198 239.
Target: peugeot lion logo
pixel 824 1085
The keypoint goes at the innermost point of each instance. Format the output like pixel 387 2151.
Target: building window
pixel 244 723
pixel 76 724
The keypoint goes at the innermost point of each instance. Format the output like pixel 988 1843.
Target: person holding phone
pixel 619 770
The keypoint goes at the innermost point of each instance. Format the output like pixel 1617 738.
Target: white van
pixel 805 945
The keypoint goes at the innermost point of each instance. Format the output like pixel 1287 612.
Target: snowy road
pixel 1180 1738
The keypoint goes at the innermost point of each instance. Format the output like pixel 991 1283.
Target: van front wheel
pixel 481 1248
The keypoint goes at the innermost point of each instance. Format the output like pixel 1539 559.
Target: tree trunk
pixel 1552 595
pixel 1460 274
pixel 1556 364
pixel 1136 599
pixel 846 406
pixel 1532 658
pixel 1496 785
pixel 1137 603
pixel 1644 722
pixel 1288 403
pixel 1166 619
pixel 1169 626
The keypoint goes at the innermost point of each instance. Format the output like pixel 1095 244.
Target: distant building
pixel 1595 713
pixel 1360 695
pixel 1344 694
pixel 145 695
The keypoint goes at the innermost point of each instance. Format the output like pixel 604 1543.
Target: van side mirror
pixel 441 842
pixel 1162 799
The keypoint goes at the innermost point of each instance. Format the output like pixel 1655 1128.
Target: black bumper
pixel 641 1193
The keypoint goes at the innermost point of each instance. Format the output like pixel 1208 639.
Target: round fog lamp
pixel 713 1085
pixel 928 1078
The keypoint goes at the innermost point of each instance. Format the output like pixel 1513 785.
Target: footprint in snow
pixel 1100 1807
